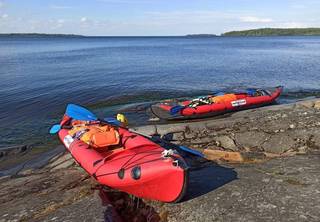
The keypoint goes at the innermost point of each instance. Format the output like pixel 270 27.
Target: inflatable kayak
pixel 217 104
pixel 135 165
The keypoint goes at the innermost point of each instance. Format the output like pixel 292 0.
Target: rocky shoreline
pixel 285 188
pixel 275 129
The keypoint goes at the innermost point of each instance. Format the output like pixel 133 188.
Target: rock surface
pixel 278 190
pixel 274 129
pixel 287 188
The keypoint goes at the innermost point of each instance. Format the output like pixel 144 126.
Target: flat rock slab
pixel 286 189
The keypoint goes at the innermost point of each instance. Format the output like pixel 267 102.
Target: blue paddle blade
pixel 80 113
pixel 54 129
pixel 194 152
pixel 112 121
pixel 176 109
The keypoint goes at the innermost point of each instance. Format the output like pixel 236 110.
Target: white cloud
pixel 292 25
pixel 298 6
pixel 84 19
pixel 253 19
pixel 60 7
pixel 127 1
pixel 4 16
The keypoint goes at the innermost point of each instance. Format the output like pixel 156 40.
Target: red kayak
pixel 138 166
pixel 213 105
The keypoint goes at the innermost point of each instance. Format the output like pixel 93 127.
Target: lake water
pixel 39 76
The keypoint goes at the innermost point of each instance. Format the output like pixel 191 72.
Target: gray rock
pixel 292 126
pixel 261 193
pixel 279 143
pixel 60 160
pixel 315 139
pixel 145 130
pixel 172 128
pixel 226 142
pixel 63 165
pixel 251 139
pixel 179 136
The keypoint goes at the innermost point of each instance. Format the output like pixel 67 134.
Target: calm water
pixel 39 76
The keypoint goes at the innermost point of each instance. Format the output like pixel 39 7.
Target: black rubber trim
pixel 96 162
pixel 184 188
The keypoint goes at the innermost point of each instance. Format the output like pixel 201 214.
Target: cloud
pixel 56 24
pixel 253 19
pixel 298 6
pixel 59 7
pixel 84 19
pixel 127 1
pixel 4 16
pixel 1 4
pixel 292 25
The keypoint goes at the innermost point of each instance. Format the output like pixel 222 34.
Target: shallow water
pixel 39 76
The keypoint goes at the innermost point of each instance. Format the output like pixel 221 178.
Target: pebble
pixel 266 180
pixel 235 194
pixel 303 217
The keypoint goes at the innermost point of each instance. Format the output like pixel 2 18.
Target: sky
pixel 154 17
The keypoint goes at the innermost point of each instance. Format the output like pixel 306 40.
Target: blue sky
pixel 154 17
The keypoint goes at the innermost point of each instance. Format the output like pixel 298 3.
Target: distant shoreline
pixel 263 32
pixel 275 32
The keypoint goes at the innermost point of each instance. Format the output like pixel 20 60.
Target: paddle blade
pixel 80 113
pixel 194 152
pixel 54 129
pixel 176 109
pixel 112 121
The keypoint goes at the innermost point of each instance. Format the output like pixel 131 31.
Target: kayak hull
pixel 162 110
pixel 138 167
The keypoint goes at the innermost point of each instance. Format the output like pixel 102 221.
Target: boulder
pixel 315 139
pixel 317 104
pixel 179 136
pixel 226 142
pixel 306 103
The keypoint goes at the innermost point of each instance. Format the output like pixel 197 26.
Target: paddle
pixel 57 127
pixel 54 129
pixel 189 150
pixel 176 109
pixel 76 112
pixel 81 113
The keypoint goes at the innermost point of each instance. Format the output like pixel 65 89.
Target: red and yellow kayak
pixel 217 105
pixel 137 166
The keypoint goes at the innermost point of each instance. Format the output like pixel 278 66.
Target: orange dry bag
pixel 224 98
pixel 96 135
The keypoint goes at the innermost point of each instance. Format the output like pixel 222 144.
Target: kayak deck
pixel 162 110
pixel 138 167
